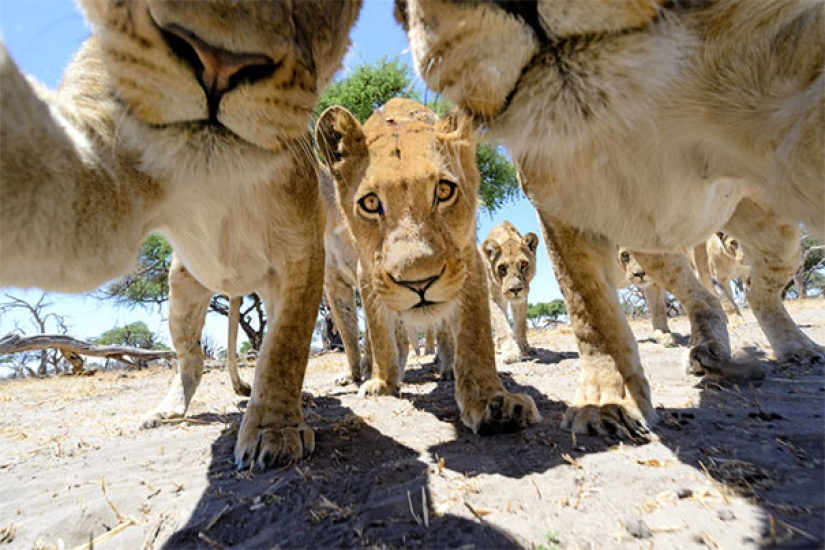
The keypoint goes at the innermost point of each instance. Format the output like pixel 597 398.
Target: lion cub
pixel 510 260
pixel 407 184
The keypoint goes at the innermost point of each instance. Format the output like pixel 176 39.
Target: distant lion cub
pixel 511 265
pixel 407 184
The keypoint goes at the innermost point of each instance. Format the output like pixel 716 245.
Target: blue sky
pixel 42 36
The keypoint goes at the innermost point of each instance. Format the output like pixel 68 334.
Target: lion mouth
pixel 424 303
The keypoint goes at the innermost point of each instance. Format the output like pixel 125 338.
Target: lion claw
pixel 503 412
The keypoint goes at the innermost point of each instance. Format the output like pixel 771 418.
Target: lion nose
pixel 420 286
pixel 639 275
pixel 515 289
pixel 216 69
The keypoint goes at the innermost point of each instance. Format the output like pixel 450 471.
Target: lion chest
pixel 233 237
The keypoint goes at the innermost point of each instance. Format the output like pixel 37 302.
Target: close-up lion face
pixel 407 184
pixel 629 270
pixel 220 73
pixel 479 58
pixel 512 264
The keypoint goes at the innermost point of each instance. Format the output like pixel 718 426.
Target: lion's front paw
pixel 377 387
pixel 706 358
pixel 502 412
pixel 615 420
pixel 264 444
pixel 156 417
pixel 242 388
pixel 344 380
pixel 666 339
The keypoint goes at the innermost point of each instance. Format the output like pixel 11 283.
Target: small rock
pixel 726 515
pixel 638 528
pixel 684 493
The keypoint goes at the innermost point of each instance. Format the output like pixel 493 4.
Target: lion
pixel 510 264
pixel 652 124
pixel 189 118
pixel 630 273
pixel 407 184
pixel 721 259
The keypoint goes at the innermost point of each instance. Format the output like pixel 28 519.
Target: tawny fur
pixel 722 261
pixel 510 264
pixel 407 184
pixel 648 124
pixel 189 118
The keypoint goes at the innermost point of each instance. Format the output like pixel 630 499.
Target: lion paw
pixel 264 445
pixel 666 339
pixel 808 353
pixel 706 358
pixel 612 420
pixel 242 388
pixel 502 412
pixel 377 387
pixel 344 380
pixel 156 417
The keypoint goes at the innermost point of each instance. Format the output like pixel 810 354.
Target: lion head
pixel 511 260
pixel 629 272
pixel 225 78
pixel 407 184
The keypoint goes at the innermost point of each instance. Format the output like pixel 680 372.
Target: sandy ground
pixel 732 467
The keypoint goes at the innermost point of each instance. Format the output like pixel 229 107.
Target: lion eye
pixel 371 204
pixel 502 270
pixel 444 191
pixel 625 257
pixel 522 267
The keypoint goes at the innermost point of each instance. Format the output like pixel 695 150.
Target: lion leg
pixel 656 303
pixel 382 325
pixel 188 300
pixel 519 310
pixel 773 248
pixel 366 358
pixel 446 352
pixel 729 303
pixel 613 396
pixel 240 387
pixel 429 341
pixel 504 339
pixel 273 430
pixel 485 405
pixel 341 302
pixel 402 343
pixel 709 342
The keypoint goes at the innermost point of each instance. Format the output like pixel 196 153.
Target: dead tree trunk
pixel 72 349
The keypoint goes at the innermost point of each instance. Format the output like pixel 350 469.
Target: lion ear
pixel 491 250
pixel 531 241
pixel 454 125
pixel 339 136
pixel 565 17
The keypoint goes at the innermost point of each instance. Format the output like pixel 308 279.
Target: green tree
pixel 136 335
pixel 546 310
pixel 148 285
pixel 368 87
pixel 372 85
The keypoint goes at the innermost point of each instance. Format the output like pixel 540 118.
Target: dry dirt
pixel 732 466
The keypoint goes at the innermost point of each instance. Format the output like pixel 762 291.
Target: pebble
pixel 638 528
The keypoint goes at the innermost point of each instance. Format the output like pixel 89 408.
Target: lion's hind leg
pixel 613 395
pixel 773 248
pixel 188 300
